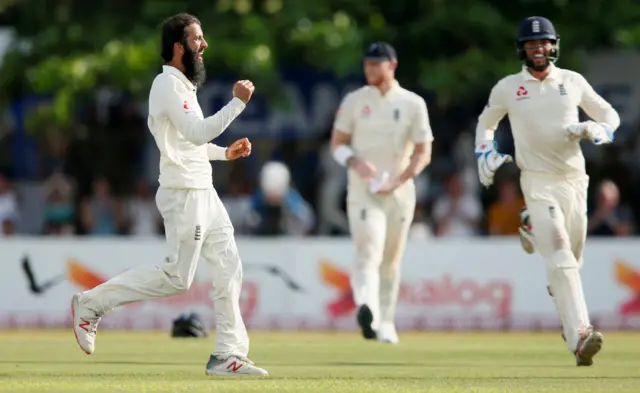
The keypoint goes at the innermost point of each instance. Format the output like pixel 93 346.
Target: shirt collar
pixel 553 74
pixel 167 69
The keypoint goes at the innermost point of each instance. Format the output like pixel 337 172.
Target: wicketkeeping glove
pixel 489 160
pixel 598 133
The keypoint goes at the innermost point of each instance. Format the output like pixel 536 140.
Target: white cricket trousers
pixel 196 225
pixel 379 227
pixel 558 212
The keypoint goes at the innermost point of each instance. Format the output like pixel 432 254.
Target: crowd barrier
pixel 478 284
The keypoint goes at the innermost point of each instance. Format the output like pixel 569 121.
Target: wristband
pixel 342 154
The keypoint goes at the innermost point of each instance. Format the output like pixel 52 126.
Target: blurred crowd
pixel 100 180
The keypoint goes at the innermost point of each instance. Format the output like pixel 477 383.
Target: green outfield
pixel 50 361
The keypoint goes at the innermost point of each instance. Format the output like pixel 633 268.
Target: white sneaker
pixel 85 324
pixel 233 365
pixel 387 333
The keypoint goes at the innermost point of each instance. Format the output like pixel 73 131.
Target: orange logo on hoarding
pixel 332 276
pixel 84 278
pixel 629 277
pixel 81 276
pixel 438 292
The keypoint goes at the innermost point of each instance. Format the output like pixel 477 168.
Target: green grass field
pixel 50 361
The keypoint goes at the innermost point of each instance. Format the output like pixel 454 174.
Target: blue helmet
pixel 537 28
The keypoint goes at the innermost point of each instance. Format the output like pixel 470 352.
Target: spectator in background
pixel 101 213
pixel 458 212
pixel 277 208
pixel 331 217
pixel 467 163
pixel 8 228
pixel 127 133
pixel 60 211
pixel 144 218
pixel 7 124
pixel 420 229
pixel 8 206
pixel 609 218
pixel 503 217
pixel 238 199
pixel 291 152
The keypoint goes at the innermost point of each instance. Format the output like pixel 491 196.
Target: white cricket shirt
pixel 539 113
pixel 181 132
pixel 383 128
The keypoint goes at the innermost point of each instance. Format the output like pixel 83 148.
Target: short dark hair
pixel 174 29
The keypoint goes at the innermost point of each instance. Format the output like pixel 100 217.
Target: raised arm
pixel 180 106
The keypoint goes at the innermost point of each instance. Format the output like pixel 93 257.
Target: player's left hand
pixel 239 148
pixel 598 133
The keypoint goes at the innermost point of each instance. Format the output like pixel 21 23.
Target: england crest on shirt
pixel 562 90
pixel 187 108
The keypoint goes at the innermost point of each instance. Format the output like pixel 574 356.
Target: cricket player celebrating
pixel 196 222
pixel 383 137
pixel 542 104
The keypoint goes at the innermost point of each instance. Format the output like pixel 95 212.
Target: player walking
pixel 383 137
pixel 542 104
pixel 196 222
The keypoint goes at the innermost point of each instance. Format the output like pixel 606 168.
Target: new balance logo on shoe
pixel 235 366
pixel 84 325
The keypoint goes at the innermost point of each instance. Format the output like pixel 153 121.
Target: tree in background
pixel 456 49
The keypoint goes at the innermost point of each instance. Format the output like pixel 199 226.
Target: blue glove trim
pixel 608 130
pixel 486 153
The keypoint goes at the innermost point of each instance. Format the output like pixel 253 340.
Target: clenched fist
pixel 239 148
pixel 243 90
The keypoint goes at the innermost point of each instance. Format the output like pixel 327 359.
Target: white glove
pixel 489 160
pixel 598 133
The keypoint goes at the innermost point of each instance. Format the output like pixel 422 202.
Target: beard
pixel 531 63
pixel 375 81
pixel 193 68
